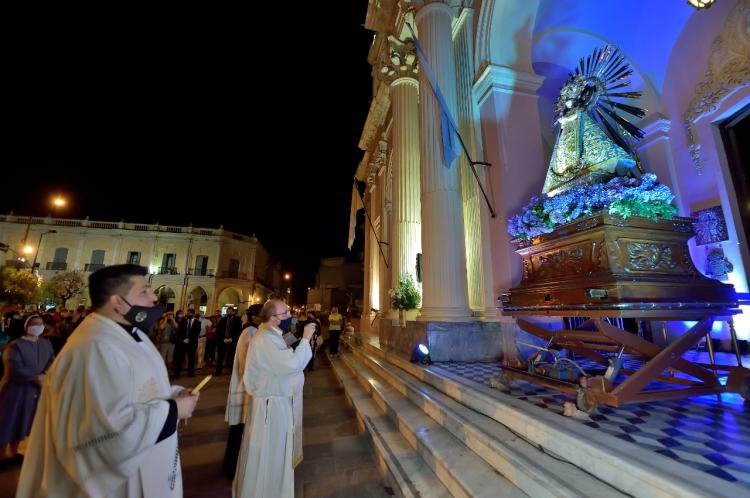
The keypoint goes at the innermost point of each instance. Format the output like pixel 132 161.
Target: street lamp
pixel 39 246
pixel 58 202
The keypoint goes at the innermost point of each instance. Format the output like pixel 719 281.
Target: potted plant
pixel 404 297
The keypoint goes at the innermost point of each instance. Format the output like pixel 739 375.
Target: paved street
pixel 338 461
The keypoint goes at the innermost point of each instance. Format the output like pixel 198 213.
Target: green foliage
pixel 406 295
pixel 63 286
pixel 18 286
pixel 634 206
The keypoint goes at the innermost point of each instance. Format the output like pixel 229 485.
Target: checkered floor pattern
pixel 708 433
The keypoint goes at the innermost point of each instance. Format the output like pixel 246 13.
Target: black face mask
pixel 143 317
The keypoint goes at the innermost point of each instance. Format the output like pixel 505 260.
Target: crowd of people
pixel 90 393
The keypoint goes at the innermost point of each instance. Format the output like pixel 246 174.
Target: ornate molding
pixel 400 62
pixel 375 118
pixel 378 161
pixel 503 79
pixel 728 69
pixel 651 257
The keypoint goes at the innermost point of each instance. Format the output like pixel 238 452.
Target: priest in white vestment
pixel 238 400
pixel 274 378
pixel 107 416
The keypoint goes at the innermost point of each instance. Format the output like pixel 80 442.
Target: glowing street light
pixel 58 202
pixel 27 249
pixel 287 276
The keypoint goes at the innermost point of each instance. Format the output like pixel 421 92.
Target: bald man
pixel 272 441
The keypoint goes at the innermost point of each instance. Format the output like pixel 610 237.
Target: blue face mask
pixel 285 324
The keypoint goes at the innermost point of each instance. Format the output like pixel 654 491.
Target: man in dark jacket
pixel 227 332
pixel 188 331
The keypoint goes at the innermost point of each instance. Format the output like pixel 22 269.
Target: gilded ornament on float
pixel 594 142
pixel 604 245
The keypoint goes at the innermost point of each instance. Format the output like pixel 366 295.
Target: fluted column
pixel 399 71
pixel 368 304
pixel 476 211
pixel 445 296
pixel 374 250
pixel 385 225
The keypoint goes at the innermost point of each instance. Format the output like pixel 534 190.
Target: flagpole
pixel 374 233
pixel 473 170
pixel 425 64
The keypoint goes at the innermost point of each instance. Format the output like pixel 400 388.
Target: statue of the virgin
pixel 594 143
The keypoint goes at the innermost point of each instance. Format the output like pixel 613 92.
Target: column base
pixel 447 341
pixel 442 314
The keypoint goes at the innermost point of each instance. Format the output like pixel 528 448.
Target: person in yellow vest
pixel 335 323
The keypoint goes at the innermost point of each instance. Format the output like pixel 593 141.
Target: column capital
pixel 494 78
pixel 400 65
pixel 422 7
pixel 655 128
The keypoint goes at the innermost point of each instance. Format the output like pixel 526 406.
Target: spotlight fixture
pixel 701 4
pixel 421 355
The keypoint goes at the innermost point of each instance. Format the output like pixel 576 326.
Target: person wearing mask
pixel 273 377
pixel 228 331
pixel 335 323
pixel 238 400
pixel 26 360
pixel 107 416
pixel 186 345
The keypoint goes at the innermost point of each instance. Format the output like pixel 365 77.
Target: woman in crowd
pixel 26 360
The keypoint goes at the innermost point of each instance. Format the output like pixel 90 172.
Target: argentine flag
pixel 448 128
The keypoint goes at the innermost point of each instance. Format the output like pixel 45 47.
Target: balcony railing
pixel 94 266
pixel 168 270
pixel 233 274
pixel 202 272
pixel 57 265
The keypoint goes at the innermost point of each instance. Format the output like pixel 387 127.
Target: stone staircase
pixel 434 435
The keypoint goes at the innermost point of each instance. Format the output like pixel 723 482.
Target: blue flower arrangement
pixel 621 196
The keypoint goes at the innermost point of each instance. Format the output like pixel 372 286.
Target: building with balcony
pixel 189 267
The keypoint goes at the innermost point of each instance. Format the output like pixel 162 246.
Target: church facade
pixel 500 65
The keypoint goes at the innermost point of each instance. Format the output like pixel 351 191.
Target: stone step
pixel 398 462
pixel 536 473
pixel 461 470
pixel 625 467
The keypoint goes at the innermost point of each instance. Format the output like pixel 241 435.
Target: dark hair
pixel 253 310
pixel 111 280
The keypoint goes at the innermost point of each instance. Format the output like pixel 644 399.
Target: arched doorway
pixel 198 299
pixel 166 297
pixel 229 297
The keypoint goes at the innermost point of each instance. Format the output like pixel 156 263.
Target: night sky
pixel 144 98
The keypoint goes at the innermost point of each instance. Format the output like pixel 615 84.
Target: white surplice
pixel 100 413
pixel 238 400
pixel 274 379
